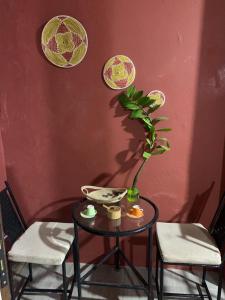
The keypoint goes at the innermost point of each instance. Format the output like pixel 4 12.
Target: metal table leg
pixel 64 280
pixel 117 255
pixel 149 264
pixel 77 259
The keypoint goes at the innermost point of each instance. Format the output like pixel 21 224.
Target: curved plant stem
pixel 138 173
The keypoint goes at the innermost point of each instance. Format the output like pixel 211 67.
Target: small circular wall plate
pixel 64 41
pixel 119 72
pixel 158 96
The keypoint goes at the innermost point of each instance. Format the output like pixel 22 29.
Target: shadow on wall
pixel 209 131
pixel 126 159
pixel 191 211
pixel 222 186
pixel 206 156
pixel 55 210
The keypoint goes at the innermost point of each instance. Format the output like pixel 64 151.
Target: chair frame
pixel 67 293
pixel 159 278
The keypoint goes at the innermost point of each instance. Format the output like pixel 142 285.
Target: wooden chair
pixel 44 243
pixel 191 245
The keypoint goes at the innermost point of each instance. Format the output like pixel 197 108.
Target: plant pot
pixel 132 194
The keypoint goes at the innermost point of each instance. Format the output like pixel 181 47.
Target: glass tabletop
pixel 124 226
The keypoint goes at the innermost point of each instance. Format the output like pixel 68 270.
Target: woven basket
pixel 102 194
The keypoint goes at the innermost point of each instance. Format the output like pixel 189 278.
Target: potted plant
pixel 140 107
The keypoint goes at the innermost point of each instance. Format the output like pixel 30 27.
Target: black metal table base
pixel 118 253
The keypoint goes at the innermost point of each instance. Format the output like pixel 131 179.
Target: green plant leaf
pixel 164 129
pixel 158 150
pixel 158 119
pixel 146 155
pixel 123 97
pixel 137 95
pixel 147 121
pixel 144 101
pixel 153 108
pixel 131 91
pixel 137 114
pixel 148 127
pixel 141 107
pixel 153 135
pixel 148 141
pixel 131 106
pixel 165 147
pixel 126 103
pixel 165 141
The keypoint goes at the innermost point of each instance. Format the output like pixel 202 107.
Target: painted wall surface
pixel 62 128
pixel 2 165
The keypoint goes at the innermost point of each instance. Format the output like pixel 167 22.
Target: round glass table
pixel 124 226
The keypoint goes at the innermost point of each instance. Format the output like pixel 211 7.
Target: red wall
pixel 62 128
pixel 2 163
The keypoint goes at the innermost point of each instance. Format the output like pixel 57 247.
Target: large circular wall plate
pixel 64 41
pixel 158 96
pixel 119 72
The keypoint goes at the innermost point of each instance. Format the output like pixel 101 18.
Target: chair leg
pixel 74 261
pixel 30 272
pixel 10 275
pixel 64 280
pixel 203 275
pixel 220 283
pixel 77 260
pixel 161 281
pixel 157 272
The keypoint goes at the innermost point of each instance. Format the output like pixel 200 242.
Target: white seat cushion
pixel 43 243
pixel 187 243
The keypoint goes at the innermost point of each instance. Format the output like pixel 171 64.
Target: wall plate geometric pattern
pixel 64 41
pixel 158 96
pixel 119 72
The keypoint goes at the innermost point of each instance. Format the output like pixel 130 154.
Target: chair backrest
pixel 217 227
pixel 13 222
pixel 4 275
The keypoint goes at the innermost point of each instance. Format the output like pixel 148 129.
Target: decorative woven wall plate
pixel 64 41
pixel 119 72
pixel 158 96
